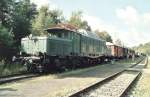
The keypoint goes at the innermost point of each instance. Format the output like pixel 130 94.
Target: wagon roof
pixel 109 43
pixel 112 44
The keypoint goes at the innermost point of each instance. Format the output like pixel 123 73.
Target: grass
pixel 11 68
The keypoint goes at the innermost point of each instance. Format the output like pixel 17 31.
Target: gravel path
pixel 113 88
pixel 142 87
pixel 141 65
pixel 59 86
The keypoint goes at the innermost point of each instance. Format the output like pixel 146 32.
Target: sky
pixel 127 20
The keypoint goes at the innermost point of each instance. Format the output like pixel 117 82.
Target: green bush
pixel 6 43
pixel 11 68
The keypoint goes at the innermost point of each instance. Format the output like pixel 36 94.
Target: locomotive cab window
pixel 55 34
pixel 59 34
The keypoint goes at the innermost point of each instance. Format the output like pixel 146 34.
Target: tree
pixel 76 20
pixel 6 11
pixel 16 16
pixel 143 48
pixel 24 12
pixel 56 16
pixel 118 42
pixel 104 35
pixel 86 26
pixel 15 23
pixel 6 42
pixel 6 38
pixel 45 19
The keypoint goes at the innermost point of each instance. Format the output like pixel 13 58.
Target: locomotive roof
pixel 80 31
pixel 89 34
pixel 59 28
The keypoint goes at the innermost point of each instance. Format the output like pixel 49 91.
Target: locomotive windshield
pixel 54 34
pixel 59 34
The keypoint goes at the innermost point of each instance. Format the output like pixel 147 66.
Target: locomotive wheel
pixel 60 65
pixel 99 60
pixel 57 64
pixel 64 64
pixel 74 64
pixel 39 68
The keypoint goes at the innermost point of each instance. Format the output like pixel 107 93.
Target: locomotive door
pixel 76 43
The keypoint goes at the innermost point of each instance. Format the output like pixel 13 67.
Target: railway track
pixel 8 79
pixel 13 78
pixel 114 86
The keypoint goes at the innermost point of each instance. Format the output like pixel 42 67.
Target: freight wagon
pixel 116 51
pixel 119 52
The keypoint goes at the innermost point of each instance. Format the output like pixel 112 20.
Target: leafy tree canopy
pixel 24 12
pixel 45 19
pixel 143 48
pixel 76 20
pixel 118 42
pixel 6 38
pixel 104 35
pixel 15 23
pixel 6 11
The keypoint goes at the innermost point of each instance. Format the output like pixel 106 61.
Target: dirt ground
pixel 60 85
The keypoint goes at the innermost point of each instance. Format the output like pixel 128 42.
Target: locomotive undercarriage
pixel 45 63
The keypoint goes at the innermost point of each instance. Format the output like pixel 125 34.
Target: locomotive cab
pixel 65 35
pixel 59 33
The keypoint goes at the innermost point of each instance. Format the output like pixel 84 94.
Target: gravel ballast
pixel 113 88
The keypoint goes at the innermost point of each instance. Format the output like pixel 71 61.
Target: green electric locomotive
pixel 64 48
